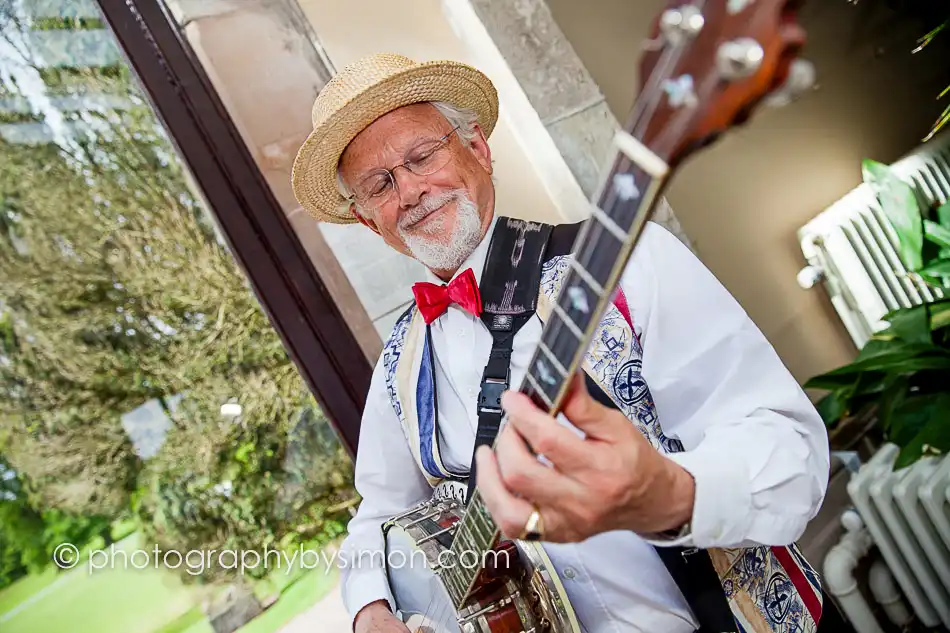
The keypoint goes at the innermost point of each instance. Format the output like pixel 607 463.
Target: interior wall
pixel 269 90
pixel 742 200
pixel 419 30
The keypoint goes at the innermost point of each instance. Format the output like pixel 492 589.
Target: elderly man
pixel 743 460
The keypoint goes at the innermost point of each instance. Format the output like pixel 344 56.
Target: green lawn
pixel 133 601
pixel 21 590
pixel 299 596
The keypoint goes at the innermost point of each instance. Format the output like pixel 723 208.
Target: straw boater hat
pixel 360 94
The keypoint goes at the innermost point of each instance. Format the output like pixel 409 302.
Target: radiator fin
pixel 907 513
pixel 857 250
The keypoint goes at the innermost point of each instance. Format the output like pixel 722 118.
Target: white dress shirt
pixel 754 443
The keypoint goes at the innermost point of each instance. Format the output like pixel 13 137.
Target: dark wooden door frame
pixel 258 232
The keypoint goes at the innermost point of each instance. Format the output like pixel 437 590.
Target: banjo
pixel 707 66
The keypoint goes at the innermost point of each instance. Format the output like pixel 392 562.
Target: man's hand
pixel 377 618
pixel 611 480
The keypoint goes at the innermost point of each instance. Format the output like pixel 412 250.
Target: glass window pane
pixel 152 427
pixel 269 91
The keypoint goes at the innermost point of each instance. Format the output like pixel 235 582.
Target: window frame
pixel 291 291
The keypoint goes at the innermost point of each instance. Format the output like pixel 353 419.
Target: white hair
pixel 462 118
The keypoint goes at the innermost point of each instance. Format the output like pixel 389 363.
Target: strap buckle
pixel 489 398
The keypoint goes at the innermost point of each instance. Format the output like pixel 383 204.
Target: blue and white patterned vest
pixel 769 589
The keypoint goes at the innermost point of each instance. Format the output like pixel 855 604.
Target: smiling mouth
pixel 428 215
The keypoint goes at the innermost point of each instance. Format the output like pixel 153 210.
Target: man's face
pixel 437 218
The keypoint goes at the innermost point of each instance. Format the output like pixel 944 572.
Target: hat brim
pixel 315 168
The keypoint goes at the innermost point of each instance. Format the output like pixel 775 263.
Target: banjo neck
pixel 707 66
pixel 600 253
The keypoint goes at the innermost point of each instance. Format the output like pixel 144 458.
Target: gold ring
pixel 534 527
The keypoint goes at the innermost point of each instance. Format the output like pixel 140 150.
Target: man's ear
pixel 479 146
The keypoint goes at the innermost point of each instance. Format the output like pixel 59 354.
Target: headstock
pixel 708 65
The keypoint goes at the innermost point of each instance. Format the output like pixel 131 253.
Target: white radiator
pixel 852 247
pixel 908 515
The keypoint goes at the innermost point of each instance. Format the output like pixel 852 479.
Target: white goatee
pixel 434 252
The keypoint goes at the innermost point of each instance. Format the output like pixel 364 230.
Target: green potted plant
pixel 902 374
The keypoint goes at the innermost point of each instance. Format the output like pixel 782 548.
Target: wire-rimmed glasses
pixel 378 187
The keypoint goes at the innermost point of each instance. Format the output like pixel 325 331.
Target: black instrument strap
pixel 509 291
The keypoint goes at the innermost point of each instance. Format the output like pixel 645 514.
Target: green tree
pixel 28 536
pixel 117 292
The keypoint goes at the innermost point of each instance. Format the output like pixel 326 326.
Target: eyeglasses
pixel 377 189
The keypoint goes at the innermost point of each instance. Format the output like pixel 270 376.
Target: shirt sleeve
pixel 753 441
pixel 389 482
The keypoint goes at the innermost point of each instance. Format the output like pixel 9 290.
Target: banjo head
pixel 526 595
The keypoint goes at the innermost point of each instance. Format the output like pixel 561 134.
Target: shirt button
pixel 462 333
pixel 569 573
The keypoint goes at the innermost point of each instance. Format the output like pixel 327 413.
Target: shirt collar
pixel 475 261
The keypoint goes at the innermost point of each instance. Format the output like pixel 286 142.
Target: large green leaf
pixel 939 268
pixel 894 394
pixel 830 382
pixel 926 430
pixel 885 352
pixel 831 407
pixel 899 205
pixel 909 415
pixel 871 382
pixel 911 325
pixel 939 314
pixel 943 215
pixel 937 234
pixel 898 362
pixel 881 343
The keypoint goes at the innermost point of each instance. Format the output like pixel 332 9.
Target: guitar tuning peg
pixel 802 77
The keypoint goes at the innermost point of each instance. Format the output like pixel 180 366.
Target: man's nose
pixel 409 187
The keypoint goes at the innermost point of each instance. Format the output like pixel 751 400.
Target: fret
pixel 563 344
pixel 546 376
pixel 455 585
pixel 458 543
pixel 567 321
pixel 539 390
pixel 554 360
pixel 481 521
pixel 478 528
pixel 488 535
pixel 608 223
pixel 469 542
pixel 464 544
pixel 627 192
pixel 586 276
pixel 578 301
pixel 533 388
pixel 485 519
pixel 599 256
pixel 466 578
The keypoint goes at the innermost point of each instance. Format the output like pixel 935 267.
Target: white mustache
pixel 426 206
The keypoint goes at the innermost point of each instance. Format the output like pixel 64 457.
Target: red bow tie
pixel 433 300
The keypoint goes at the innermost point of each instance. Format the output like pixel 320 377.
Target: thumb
pixel 588 415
